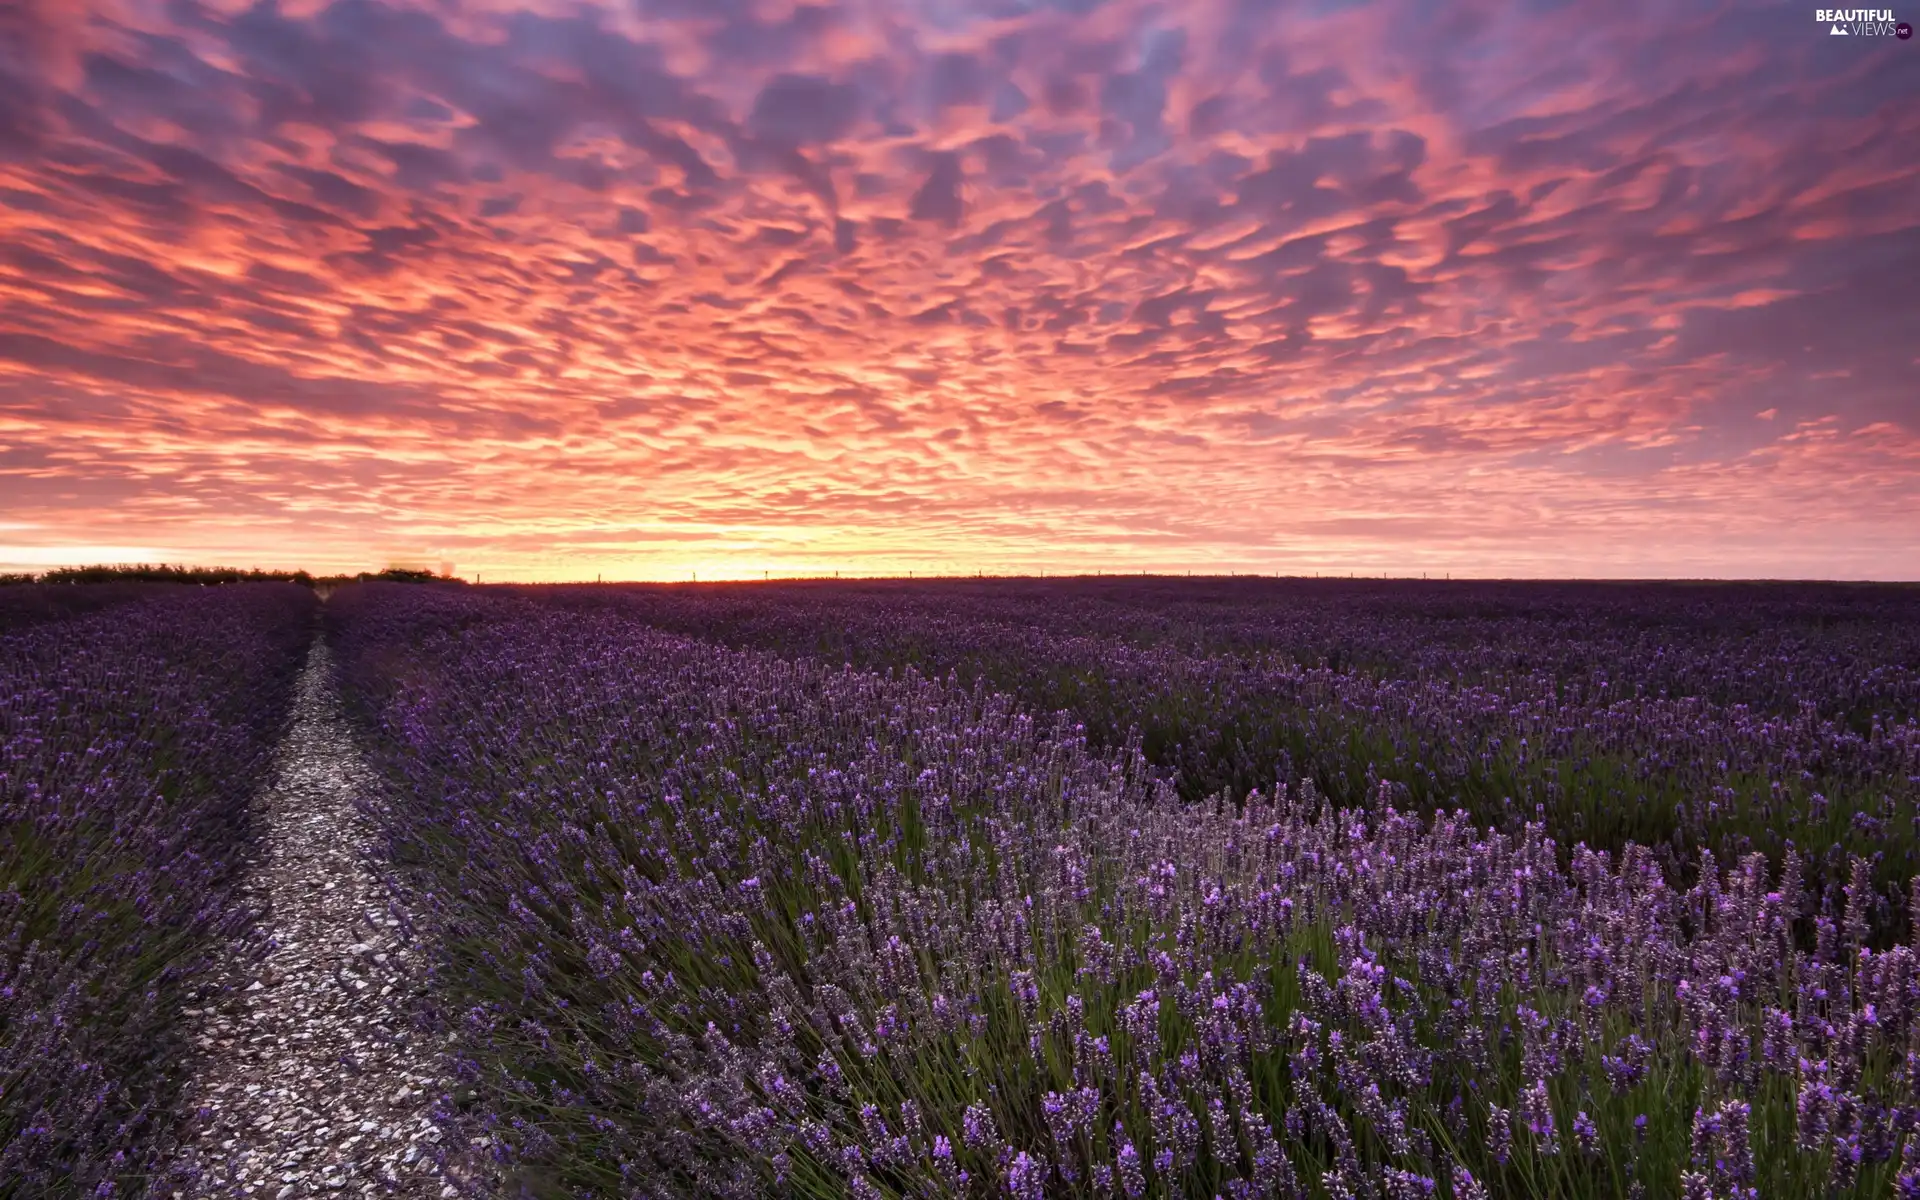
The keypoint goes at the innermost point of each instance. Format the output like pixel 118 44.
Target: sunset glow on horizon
pixel 549 290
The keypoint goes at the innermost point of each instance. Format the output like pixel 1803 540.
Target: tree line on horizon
pixel 169 573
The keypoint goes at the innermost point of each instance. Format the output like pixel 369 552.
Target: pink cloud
pixel 548 290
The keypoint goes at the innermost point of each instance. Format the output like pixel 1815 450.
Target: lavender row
pixel 718 923
pixel 1851 651
pixel 131 739
pixel 24 604
pixel 1723 718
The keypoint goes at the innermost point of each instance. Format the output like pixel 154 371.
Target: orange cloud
pixel 552 291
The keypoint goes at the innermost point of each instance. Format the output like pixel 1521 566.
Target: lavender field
pixel 135 724
pixel 1087 888
pixel 1125 889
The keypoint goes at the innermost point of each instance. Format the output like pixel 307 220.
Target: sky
pixel 557 290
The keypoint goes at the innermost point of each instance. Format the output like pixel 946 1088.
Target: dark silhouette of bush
pixel 401 575
pixel 164 573
pixel 167 573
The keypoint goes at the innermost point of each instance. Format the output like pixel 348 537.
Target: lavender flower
pixel 1586 1134
pixel 1499 1133
pixel 1026 1178
pixel 1465 1186
pixel 1133 1182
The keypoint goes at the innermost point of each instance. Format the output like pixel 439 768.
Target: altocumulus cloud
pixel 1496 286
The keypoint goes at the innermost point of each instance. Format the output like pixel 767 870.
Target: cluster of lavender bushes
pixel 1684 717
pixel 718 923
pixel 134 727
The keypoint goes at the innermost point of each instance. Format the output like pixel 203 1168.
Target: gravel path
pixel 314 1081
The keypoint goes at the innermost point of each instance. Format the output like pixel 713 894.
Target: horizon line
pixel 915 576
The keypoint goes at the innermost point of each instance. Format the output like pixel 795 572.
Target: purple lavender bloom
pixel 1906 1184
pixel 1026 1178
pixel 978 1129
pixel 1499 1133
pixel 1132 1180
pixel 1586 1133
pixel 1813 1106
pixel 1465 1186
pixel 1536 1109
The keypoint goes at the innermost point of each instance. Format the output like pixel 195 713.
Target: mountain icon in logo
pixel 1839 32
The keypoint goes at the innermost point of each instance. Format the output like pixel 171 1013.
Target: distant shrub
pixel 400 575
pixel 169 573
pixel 165 573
